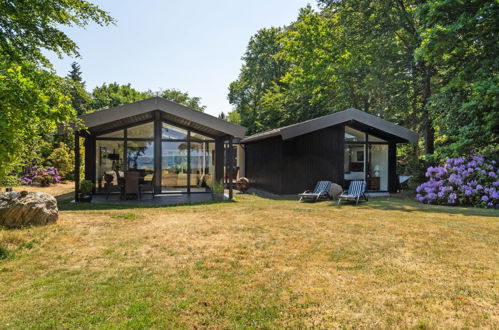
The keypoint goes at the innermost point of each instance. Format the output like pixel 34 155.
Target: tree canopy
pixel 32 97
pixel 428 65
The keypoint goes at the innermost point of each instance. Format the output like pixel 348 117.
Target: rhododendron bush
pixel 472 181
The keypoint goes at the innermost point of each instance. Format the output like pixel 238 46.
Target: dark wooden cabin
pixel 341 147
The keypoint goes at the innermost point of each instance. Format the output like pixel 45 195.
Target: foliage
pixel 32 105
pixel 460 39
pixel 183 98
pixel 27 27
pixel 9 181
pixel 63 159
pixel 41 176
pixel 86 187
pixel 80 99
pixel 113 95
pixel 32 96
pixel 428 65
pixel 262 69
pixel 473 181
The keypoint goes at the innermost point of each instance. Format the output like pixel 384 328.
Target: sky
pixel 195 46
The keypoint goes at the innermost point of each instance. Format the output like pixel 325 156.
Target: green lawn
pixel 254 263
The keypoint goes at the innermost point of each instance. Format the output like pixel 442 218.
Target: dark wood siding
pixel 264 164
pixel 393 180
pixel 312 157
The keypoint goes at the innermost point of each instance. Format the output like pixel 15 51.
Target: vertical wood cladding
pixel 312 157
pixel 264 164
pixel 292 166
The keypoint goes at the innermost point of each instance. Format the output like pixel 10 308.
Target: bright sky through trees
pixel 194 46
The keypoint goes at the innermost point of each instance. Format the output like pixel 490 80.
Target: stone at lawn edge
pixel 335 191
pixel 27 208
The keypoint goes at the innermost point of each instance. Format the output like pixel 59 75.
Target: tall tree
pixel 31 98
pixel 460 39
pixel 262 70
pixel 77 92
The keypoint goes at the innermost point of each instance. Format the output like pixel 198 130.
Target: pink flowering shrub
pixel 473 181
pixel 41 176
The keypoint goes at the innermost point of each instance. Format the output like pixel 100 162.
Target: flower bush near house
pixel 41 176
pixel 472 181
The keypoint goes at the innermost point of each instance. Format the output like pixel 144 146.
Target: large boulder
pixel 27 208
pixel 335 191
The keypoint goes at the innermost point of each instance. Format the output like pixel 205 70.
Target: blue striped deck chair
pixel 356 191
pixel 321 190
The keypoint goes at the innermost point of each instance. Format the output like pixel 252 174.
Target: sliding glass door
pixel 366 158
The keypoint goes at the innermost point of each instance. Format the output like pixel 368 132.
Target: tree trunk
pixel 428 129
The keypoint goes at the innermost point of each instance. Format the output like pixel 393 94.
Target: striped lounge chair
pixel 356 191
pixel 321 190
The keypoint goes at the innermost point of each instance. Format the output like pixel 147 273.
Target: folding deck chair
pixel 356 191
pixel 321 190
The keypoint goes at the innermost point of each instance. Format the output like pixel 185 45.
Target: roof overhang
pixel 142 111
pixel 354 117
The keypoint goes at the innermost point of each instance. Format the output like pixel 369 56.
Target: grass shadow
pixel 409 206
pixel 71 206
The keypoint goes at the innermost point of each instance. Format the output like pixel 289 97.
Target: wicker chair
pixel 132 184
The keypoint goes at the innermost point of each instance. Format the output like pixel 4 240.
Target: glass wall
pixel 202 165
pixel 366 158
pixel 187 157
pixel 174 166
pixel 109 159
pixel 140 158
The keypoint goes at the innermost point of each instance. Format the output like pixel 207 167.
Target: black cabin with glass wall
pixel 179 149
pixel 341 147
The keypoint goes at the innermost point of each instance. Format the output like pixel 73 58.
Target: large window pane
pixel 354 162
pixel 378 167
pixel 353 135
pixel 140 157
pixel 109 159
pixel 172 132
pixel 174 166
pixel 202 165
pixel 145 131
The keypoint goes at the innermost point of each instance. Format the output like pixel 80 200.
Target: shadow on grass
pixel 409 206
pixel 69 206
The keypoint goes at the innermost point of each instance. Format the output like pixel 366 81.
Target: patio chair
pixel 148 186
pixel 321 190
pixel 355 192
pixel 132 184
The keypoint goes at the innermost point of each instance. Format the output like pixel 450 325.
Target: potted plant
pixel 85 194
pixel 217 190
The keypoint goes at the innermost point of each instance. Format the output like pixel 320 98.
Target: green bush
pixel 86 187
pixel 63 159
pixel 9 181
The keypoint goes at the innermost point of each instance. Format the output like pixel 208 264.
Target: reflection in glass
pixel 197 136
pixel 144 131
pixel 140 157
pixel 174 166
pixel 354 162
pixel 172 132
pixel 378 167
pixel 353 135
pixel 202 165
pixel 109 160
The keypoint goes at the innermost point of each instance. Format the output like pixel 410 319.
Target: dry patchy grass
pixel 254 263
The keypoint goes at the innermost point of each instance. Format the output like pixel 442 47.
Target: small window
pixel 173 133
pixel 353 135
pixel 145 131
pixel 116 134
